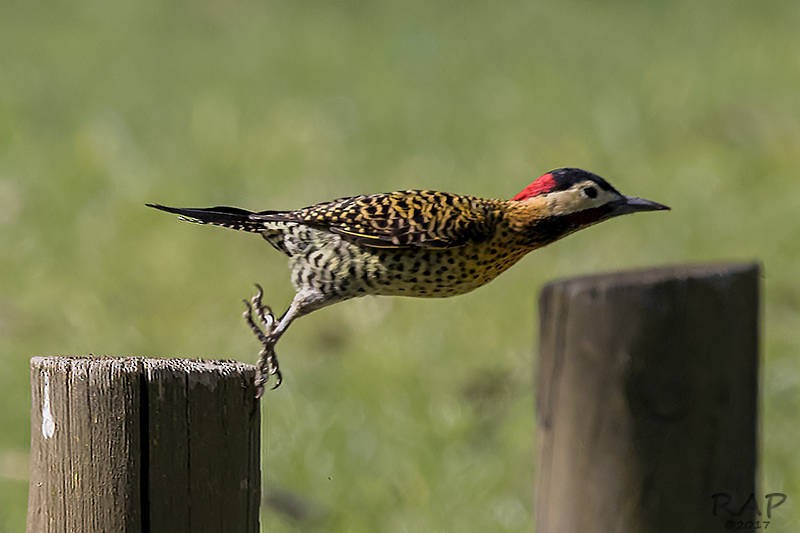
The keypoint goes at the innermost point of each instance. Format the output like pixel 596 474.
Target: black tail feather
pixel 229 217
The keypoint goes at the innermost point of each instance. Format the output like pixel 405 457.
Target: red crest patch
pixel 543 184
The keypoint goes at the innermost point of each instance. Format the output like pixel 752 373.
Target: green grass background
pixel 396 415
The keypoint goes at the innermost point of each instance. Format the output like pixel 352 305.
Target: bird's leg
pixel 264 331
pixel 268 330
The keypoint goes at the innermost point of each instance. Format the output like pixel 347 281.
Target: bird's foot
pixel 262 323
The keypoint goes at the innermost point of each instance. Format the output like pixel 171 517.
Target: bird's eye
pixel 590 192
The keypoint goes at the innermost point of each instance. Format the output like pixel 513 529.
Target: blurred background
pixel 396 415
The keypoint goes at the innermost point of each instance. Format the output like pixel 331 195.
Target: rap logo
pixel 723 502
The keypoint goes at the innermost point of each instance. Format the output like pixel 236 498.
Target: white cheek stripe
pixel 572 200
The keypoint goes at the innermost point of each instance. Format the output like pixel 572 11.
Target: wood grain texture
pixel 647 399
pixel 138 445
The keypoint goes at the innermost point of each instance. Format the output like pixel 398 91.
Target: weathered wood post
pixel 647 401
pixel 140 445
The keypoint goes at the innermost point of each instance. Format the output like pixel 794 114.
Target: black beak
pixel 631 204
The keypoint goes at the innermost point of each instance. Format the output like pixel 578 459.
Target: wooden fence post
pixel 141 445
pixel 647 401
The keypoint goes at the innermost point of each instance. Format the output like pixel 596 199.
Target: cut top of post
pixel 139 444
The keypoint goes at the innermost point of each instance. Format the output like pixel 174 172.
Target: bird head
pixel 568 199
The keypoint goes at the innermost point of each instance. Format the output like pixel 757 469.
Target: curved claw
pixel 263 374
pixel 262 322
pixel 259 305
pixel 263 312
pixel 259 389
pixel 278 378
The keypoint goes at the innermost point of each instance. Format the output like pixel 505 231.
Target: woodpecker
pixel 410 243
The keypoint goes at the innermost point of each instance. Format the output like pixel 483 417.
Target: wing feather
pixel 402 219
